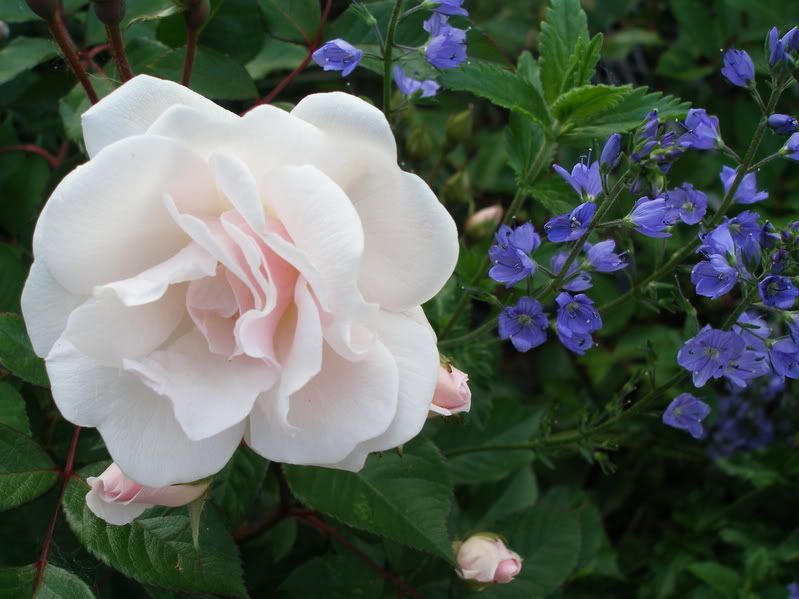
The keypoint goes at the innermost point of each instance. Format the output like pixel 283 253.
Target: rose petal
pixel 117 514
pixel 237 183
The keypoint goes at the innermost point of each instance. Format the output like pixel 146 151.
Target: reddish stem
pixel 118 51
pixel 53 161
pixel 311 520
pixel 188 60
pixel 64 41
pixel 305 61
pixel 41 565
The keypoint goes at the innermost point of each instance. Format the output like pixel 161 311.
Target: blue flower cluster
pixel 445 49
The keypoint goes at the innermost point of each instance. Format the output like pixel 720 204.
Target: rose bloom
pixel 452 394
pixel 207 278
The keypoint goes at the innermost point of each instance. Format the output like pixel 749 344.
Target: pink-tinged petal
pixel 235 180
pixel 108 331
pixel 46 306
pixel 209 393
pixel 133 107
pixel 452 394
pixel 106 222
pixel 117 514
pixel 189 264
pixel 344 405
pixel 212 305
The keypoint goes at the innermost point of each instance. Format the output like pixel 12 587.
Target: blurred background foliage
pixel 642 513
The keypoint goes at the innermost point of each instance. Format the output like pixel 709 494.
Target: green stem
pixel 387 57
pixel 758 165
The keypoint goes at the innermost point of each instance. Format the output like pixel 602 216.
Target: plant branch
pixel 53 160
pixel 191 52
pixel 61 36
pixel 118 51
pixel 387 57
pixel 270 519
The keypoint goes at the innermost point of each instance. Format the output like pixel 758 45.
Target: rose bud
pixel 484 558
pixel 484 222
pixel 452 393
pixel 118 500
pixel 110 12
pixel 43 8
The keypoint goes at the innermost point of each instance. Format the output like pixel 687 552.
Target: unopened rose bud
pixel 44 8
pixel 460 126
pixel 457 189
pixel 484 558
pixel 197 12
pixel 119 500
pixel 452 393
pixel 484 222
pixel 110 12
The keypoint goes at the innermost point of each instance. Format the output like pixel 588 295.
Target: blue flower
pixel 791 149
pixel 450 7
pixel 753 330
pixel 409 86
pixel 738 67
pixel 571 226
pixel 747 192
pixel 793 590
pixel 783 124
pixel 778 292
pixel 741 425
pixel 650 126
pixel 525 324
pixel 744 227
pixel 338 55
pixel 776 48
pixel 585 180
pixel 510 256
pixel 603 258
pixel 575 282
pixel 790 41
pixel 719 241
pixel 714 277
pixel 708 353
pixel 690 204
pixel 749 365
pixel 447 47
pixel 576 315
pixel 611 152
pixel 578 344
pixel 686 412
pixel 784 356
pixel 650 217
pixel 702 130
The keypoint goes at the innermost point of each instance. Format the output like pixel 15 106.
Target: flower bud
pixel 484 558
pixel 452 393
pixel 110 12
pixel 738 67
pixel 611 152
pixel 119 500
pixel 197 12
pixel 419 144
pixel 44 8
pixel 460 126
pixel 457 189
pixel 484 222
pixel 783 124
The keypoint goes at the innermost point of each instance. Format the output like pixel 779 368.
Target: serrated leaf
pixel 12 409
pixel 148 10
pixel 237 484
pixel 13 270
pixel 497 501
pixel 26 471
pixel 295 21
pixel 56 583
pixel 157 547
pixel 16 352
pixel 24 53
pixel 554 194
pixel 564 25
pixel 404 498
pixel 334 577
pixel 524 139
pixel 581 103
pixel 501 87
pixel 586 58
pixel 215 75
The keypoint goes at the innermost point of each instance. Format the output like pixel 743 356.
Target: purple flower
pixel 708 353
pixel 338 55
pixel 650 217
pixel 776 48
pixel 525 324
pixel 783 124
pixel 778 292
pixel 447 47
pixel 744 227
pixel 510 257
pixel 738 67
pixel 689 203
pixel 409 86
pixel 753 330
pixel 793 588
pixel 611 152
pixel 791 149
pixel 575 282
pixel 568 227
pixel 450 7
pixel 784 356
pixel 714 277
pixel 578 344
pixel 718 241
pixel 686 412
pixel 790 41
pixel 576 315
pixel 650 127
pixel 603 257
pixel 585 180
pixel 702 130
pixel 749 365
pixel 747 192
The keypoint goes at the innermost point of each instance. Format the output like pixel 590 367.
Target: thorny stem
pixel 270 519
pixel 191 52
pixel 65 475
pixel 118 51
pixel 61 36
pixel 387 57
pixel 54 160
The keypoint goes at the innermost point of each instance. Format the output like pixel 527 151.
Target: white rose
pixel 207 278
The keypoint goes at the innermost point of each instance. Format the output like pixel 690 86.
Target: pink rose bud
pixel 452 392
pixel 483 223
pixel 484 558
pixel 119 500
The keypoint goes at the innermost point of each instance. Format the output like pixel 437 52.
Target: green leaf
pixel 585 59
pixel 12 409
pixel 13 271
pixel 22 54
pixel 295 21
pixel 501 87
pixel 563 28
pixel 157 547
pixel 581 103
pixel 275 55
pixel 17 11
pixel 554 194
pixel 215 75
pixel 236 486
pixel 56 583
pixel 404 498
pixel 16 353
pixel 334 577
pixel 519 492
pixel 148 10
pixel 26 471
pixel 524 139
pixel 721 578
